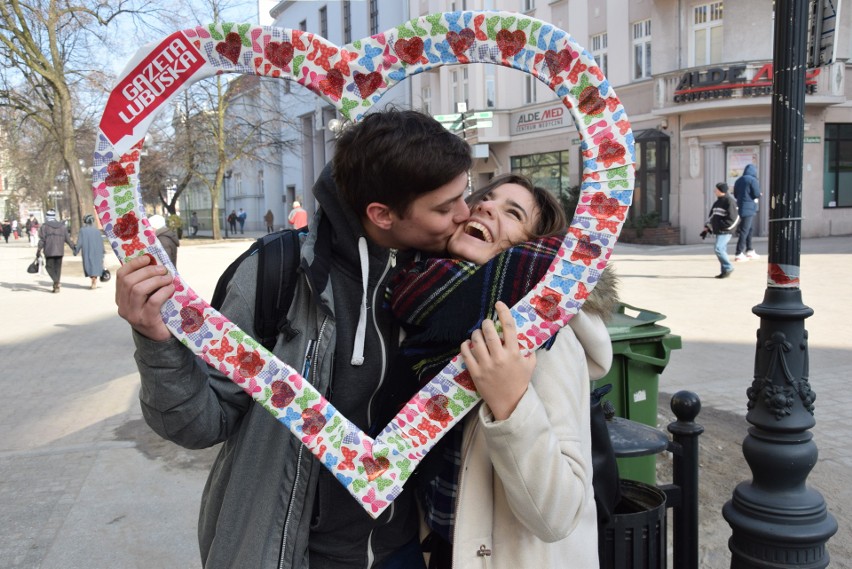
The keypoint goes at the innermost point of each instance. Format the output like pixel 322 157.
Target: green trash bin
pixel 641 350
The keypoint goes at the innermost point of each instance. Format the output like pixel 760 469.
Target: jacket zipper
pixel 310 355
pixel 390 264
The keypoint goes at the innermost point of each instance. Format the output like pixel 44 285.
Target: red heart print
pixel 151 259
pixel 610 152
pixel 591 102
pixel 313 422
pixel 279 53
pixel 332 85
pixel 191 319
pixel 248 363
pixel 547 304
pixel 585 251
pixel 461 41
pixel 436 408
pixel 367 83
pixel 465 380
pixel 375 467
pixel 409 50
pixel 603 207
pixel 230 48
pixel 127 226
pixel 116 175
pixel 557 62
pixel 282 394
pixel 510 43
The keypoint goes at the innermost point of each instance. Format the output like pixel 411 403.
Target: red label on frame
pixel 149 84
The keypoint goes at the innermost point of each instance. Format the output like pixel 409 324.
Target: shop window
pixel 529 89
pixel 706 35
pixel 548 170
pixel 599 45
pixel 837 170
pixel 426 100
pixel 642 49
pixel 323 18
pixel 490 87
pixel 651 192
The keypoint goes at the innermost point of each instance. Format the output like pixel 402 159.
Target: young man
pixel 747 193
pixel 722 221
pixel 268 502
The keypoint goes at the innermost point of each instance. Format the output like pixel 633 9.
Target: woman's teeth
pixel 478 231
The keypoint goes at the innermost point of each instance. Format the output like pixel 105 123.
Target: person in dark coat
pixel 167 238
pixel 52 237
pixel 746 192
pixel 721 223
pixel 91 243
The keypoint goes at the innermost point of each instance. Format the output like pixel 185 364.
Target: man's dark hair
pixel 393 157
pixel 722 187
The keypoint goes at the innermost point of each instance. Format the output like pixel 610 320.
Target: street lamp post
pixel 776 520
pixel 225 177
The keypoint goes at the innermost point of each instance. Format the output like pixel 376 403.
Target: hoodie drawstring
pixel 361 330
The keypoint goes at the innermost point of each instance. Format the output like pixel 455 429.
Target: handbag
pixel 105 276
pixel 33 268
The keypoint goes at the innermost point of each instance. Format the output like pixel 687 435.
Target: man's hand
pixel 140 291
pixel 498 369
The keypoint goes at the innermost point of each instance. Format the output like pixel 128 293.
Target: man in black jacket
pixel 721 223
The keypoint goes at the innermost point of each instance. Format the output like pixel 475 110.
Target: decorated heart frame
pixel 352 78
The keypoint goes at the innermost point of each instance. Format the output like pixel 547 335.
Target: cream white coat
pixel 525 492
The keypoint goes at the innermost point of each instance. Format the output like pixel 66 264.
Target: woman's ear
pixel 379 215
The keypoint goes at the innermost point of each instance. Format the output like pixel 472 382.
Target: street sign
pixel 481 115
pixel 448 118
pixel 822 32
pixel 482 124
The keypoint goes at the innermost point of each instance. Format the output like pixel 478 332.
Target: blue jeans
pixel 722 240
pixel 744 234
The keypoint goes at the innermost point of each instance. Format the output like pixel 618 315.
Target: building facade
pixel 697 94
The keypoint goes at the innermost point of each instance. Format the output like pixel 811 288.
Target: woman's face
pixel 506 216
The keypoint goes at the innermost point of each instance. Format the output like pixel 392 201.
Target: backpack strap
pixel 278 260
pixel 276 284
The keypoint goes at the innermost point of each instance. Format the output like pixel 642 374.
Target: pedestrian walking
pixel 167 238
pixel 747 193
pixel 241 218
pixel 7 229
pixel 721 223
pixel 91 243
pixel 298 217
pixel 193 224
pixel 33 231
pixel 52 237
pixel 269 218
pixel 232 221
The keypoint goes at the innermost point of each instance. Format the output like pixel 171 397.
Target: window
pixel 651 191
pixel 374 17
pixel 548 170
pixel 837 171
pixel 238 183
pixel 599 51
pixel 642 49
pixel 426 100
pixel 707 34
pixel 347 21
pixel 529 89
pixel 490 87
pixel 303 25
pixel 323 18
pixel 465 94
pixel 260 182
pixel 529 5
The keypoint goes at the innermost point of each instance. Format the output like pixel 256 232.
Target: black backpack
pixel 276 282
pixel 278 259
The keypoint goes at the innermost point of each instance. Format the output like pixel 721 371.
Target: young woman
pixel 511 485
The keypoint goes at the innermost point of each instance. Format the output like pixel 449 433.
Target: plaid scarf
pixel 439 303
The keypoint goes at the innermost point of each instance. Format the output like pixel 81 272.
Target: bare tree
pixel 52 70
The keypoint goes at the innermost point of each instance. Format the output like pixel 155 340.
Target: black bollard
pixel 685 432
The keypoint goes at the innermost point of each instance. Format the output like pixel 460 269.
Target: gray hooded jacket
pixel 268 503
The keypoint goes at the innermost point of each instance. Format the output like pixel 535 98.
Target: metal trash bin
pixel 641 350
pixel 635 537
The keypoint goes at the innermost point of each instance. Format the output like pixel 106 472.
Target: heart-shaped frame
pixel 352 78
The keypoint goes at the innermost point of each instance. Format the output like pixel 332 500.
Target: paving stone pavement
pixel 84 484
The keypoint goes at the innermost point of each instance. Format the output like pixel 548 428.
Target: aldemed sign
pixel 547 118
